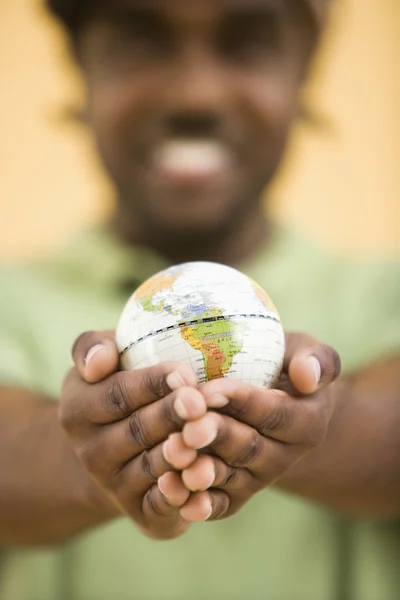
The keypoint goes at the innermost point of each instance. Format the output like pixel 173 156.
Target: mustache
pixel 200 126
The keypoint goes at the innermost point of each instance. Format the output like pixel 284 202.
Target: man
pixel 191 105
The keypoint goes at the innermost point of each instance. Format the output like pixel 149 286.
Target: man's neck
pixel 231 244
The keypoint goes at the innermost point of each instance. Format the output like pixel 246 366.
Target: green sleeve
pixel 371 313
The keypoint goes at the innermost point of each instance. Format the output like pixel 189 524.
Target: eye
pixel 252 38
pixel 135 36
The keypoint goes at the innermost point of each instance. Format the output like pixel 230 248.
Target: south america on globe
pixel 207 315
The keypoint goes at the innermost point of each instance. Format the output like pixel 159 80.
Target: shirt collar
pixel 98 255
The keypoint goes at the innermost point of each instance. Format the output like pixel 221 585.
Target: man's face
pixel 191 103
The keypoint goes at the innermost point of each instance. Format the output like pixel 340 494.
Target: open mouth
pixel 192 161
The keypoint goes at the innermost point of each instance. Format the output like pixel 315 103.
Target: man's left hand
pixel 252 436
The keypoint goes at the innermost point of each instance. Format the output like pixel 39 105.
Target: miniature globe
pixel 207 315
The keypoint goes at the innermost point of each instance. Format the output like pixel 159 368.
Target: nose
pixel 182 123
pixel 196 97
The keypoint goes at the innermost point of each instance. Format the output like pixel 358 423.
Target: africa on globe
pixel 208 315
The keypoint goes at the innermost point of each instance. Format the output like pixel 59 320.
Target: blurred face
pixel 191 103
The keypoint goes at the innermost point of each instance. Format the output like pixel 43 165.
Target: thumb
pixel 95 355
pixel 311 366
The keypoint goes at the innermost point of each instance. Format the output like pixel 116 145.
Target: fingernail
pixel 209 512
pixel 210 440
pixel 314 362
pixel 187 513
pixel 92 352
pixel 161 485
pixel 175 381
pixel 218 401
pixel 211 479
pixel 181 409
pixel 165 450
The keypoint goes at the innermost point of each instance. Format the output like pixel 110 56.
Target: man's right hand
pixel 117 423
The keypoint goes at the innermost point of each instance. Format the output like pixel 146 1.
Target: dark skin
pixel 225 74
pixel 119 424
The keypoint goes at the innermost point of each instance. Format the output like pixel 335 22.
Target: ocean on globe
pixel 208 315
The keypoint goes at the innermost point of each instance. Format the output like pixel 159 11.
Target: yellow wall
pixel 341 184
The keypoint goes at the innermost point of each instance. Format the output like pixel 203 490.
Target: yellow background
pixel 341 183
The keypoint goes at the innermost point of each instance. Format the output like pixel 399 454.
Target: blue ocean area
pixel 198 310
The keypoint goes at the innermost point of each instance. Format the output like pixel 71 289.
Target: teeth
pixel 184 157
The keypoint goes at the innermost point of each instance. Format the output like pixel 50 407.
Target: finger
pixel 314 369
pixel 164 520
pixel 177 454
pixel 309 365
pixel 112 446
pixel 145 470
pixel 273 413
pixel 173 489
pixel 152 424
pixel 211 472
pixel 240 446
pixel 140 473
pixel 237 483
pixel 295 342
pixel 121 394
pixel 131 483
pixel 205 506
pixel 95 355
pixel 159 514
pixel 201 475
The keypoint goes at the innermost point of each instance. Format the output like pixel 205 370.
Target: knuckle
pixel 155 383
pixel 147 466
pixel 281 418
pixel 139 431
pixel 250 451
pixel 83 343
pixel 152 502
pixel 231 478
pixel 336 363
pixel 220 504
pixel 298 340
pixel 117 397
pixel 239 409
pixel 168 414
pixel 331 363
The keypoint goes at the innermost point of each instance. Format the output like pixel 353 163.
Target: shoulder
pixel 347 276
pixel 74 263
pixel 44 305
pixel 352 304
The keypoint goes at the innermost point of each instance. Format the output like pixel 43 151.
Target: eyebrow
pixel 307 7
pixel 152 9
pixel 231 4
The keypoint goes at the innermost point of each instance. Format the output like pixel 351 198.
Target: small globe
pixel 208 315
